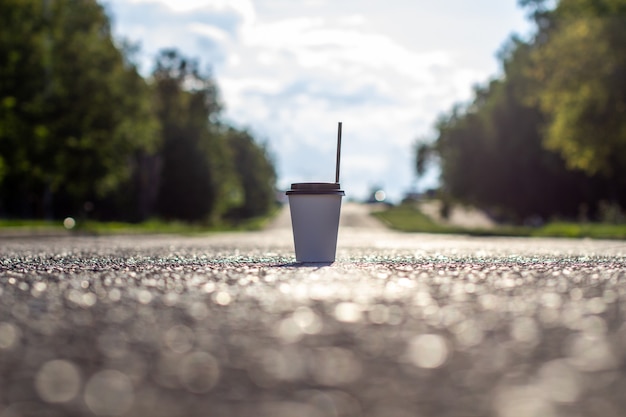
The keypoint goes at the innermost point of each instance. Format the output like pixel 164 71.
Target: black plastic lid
pixel 315 188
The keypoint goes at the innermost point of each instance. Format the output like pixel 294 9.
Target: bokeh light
pixel 69 223
pixel 109 393
pixel 58 381
pixel 199 372
pixel 428 351
pixel 9 335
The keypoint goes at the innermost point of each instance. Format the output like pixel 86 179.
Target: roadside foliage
pixel 547 139
pixel 83 134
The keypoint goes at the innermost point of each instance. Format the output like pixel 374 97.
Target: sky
pixel 290 70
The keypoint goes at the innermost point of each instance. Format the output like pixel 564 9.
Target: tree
pixel 22 89
pixel 492 153
pixel 74 109
pixel 256 174
pixel 79 125
pixel 580 68
pixel 548 138
pixel 196 180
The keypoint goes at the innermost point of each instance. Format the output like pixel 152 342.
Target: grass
pixel 408 218
pixel 592 230
pixel 30 225
pixel 173 227
pixel 153 226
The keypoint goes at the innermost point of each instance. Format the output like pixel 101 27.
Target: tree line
pixel 83 133
pixel 546 139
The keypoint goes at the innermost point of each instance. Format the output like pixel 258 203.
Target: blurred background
pixel 203 110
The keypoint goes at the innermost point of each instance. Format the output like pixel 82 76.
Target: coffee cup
pixel 315 209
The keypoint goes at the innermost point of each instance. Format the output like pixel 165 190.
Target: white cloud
pixel 244 8
pixel 212 32
pixel 353 20
pixel 307 70
pixel 317 43
pixel 309 74
pixel 291 78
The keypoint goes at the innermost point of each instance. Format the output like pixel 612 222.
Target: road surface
pixel 229 325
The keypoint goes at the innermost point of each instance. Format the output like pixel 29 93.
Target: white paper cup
pixel 315 209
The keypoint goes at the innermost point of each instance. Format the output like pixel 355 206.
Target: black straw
pixel 338 153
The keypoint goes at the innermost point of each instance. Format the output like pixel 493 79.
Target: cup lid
pixel 315 188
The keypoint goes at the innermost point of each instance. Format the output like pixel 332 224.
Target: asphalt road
pixel 228 325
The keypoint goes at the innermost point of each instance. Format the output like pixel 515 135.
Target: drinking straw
pixel 338 153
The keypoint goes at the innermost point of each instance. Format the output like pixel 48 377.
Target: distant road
pixel 229 325
pixel 459 215
pixel 353 215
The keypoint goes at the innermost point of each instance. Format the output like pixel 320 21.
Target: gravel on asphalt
pixel 229 325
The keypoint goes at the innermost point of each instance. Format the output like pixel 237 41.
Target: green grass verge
pixel 408 218
pixel 173 227
pixel 592 230
pixel 153 226
pixel 31 225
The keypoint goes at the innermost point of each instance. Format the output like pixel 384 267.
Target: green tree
pixel 78 124
pixel 75 109
pixel 256 174
pixel 548 138
pixel 197 178
pixel 579 63
pixel 23 76
pixel 492 154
